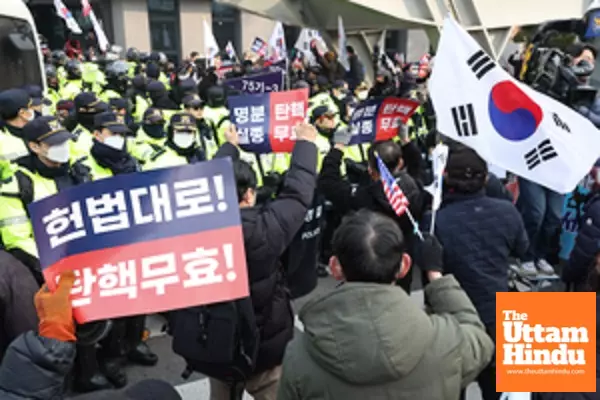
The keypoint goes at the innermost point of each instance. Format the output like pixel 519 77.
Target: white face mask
pixel 59 153
pixel 183 140
pixel 117 142
pixel 30 116
pixel 362 95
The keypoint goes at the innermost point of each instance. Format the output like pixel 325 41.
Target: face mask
pixel 154 131
pixel 116 142
pixel 362 95
pixel 183 140
pixel 30 115
pixel 59 153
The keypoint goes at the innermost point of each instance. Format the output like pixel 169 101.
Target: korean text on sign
pixel 266 122
pixel 261 83
pixel 380 119
pixel 170 238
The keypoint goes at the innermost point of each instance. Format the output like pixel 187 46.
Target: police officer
pixel 108 154
pixel 74 83
pixel 160 99
pixel 117 81
pixel 16 111
pixel 133 59
pixel 181 147
pixel 321 98
pixel 216 113
pixel 137 97
pixel 39 104
pixel 53 85
pixel 43 172
pixel 151 135
pixel 193 105
pixel 87 105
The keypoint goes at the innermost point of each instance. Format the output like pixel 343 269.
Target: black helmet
pixel 50 71
pixel 133 54
pixel 59 57
pixel 216 96
pixel 116 70
pixel 73 69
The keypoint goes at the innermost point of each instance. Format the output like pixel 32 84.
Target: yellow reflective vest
pixel 164 158
pixel 11 148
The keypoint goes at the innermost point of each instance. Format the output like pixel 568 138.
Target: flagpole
pixel 432 227
pixel 414 224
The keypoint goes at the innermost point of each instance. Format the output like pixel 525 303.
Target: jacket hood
pixel 366 334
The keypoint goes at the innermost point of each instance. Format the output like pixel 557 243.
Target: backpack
pixel 218 340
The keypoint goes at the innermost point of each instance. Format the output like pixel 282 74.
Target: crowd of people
pixel 106 115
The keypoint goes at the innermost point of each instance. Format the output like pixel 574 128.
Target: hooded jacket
pixel 370 341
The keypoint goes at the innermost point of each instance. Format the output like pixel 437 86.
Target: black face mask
pixel 86 119
pixel 155 131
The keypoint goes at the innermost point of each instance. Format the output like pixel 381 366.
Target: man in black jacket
pixel 268 231
pixel 346 197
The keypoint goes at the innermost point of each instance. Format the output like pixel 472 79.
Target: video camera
pixel 549 70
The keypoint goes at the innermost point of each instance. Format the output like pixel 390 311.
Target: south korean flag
pixel 509 124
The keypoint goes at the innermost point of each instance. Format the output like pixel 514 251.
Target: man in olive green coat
pixel 367 340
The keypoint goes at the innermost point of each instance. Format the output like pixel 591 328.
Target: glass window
pixel 162 5
pixel 20 58
pixel 226 25
pixel 164 27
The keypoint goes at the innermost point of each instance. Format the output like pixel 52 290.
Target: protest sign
pixel 269 82
pixel 265 122
pixel 260 47
pixel 145 242
pixel 379 119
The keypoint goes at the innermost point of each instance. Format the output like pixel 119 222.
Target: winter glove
pixel 430 254
pixel 342 136
pixel 55 311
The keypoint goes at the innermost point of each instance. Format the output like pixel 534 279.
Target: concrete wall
pixel 254 25
pixel 192 13
pixel 130 24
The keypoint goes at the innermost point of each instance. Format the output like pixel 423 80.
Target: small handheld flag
pixel 395 195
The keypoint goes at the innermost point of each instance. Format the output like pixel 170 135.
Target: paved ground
pixel 171 366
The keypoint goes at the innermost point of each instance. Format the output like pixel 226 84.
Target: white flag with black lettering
pixel 509 124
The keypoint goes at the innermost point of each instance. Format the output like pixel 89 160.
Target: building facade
pixel 174 27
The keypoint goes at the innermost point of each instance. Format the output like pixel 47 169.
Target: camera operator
pixel 584 59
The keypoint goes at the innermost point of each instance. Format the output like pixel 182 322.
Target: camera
pixel 550 70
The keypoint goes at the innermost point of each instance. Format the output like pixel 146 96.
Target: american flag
pixel 392 191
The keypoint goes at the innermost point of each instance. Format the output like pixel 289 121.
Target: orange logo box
pixel 546 342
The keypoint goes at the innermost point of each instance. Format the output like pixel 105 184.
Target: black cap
pixel 153 116
pixel 12 100
pixel 339 84
pixel 118 103
pixel 320 112
pixel 183 122
pixel 322 81
pixel 111 121
pixel 47 130
pixel 465 163
pixel 156 87
pixel 37 96
pixel 88 102
pixel 192 101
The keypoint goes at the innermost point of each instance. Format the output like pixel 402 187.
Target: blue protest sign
pixel 145 242
pixel 265 122
pixel 263 83
pixel 379 119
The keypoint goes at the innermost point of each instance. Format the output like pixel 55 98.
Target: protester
pixel 356 74
pixel 268 231
pixel 346 198
pixel 353 346
pixel 479 235
pixel 17 288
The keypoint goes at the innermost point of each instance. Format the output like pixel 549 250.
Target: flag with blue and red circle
pixel 265 122
pixel 380 119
